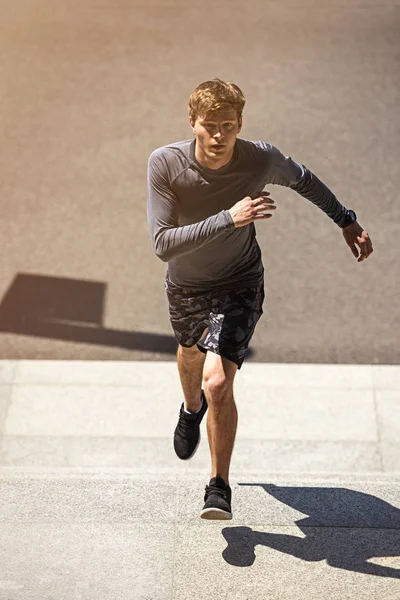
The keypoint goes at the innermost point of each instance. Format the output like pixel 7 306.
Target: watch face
pixel 352 217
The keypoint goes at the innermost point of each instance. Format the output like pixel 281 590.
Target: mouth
pixel 218 146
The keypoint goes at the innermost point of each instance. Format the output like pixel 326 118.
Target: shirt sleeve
pixel 169 240
pixel 285 171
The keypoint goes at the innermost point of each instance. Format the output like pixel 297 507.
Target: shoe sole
pixel 194 451
pixel 215 514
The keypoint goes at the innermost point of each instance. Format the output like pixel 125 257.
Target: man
pixel 204 196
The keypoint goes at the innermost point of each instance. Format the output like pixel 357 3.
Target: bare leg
pixel 222 417
pixel 190 367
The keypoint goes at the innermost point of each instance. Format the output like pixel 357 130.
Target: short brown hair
pixel 216 95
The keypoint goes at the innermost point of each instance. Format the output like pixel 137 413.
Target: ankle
pixel 193 406
pixel 224 476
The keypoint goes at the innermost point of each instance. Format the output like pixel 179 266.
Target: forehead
pixel 220 115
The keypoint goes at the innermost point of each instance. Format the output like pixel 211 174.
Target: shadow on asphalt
pixel 71 310
pixel 345 528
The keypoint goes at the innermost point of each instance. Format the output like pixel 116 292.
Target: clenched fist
pixel 355 234
pixel 248 210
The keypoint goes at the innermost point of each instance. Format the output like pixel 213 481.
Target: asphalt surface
pixel 89 89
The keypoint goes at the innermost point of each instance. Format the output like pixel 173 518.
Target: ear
pixel 240 123
pixel 191 121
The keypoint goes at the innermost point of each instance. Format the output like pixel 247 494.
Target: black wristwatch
pixel 351 217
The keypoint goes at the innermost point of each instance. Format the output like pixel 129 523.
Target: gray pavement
pixel 95 504
pixel 93 501
pixel 89 89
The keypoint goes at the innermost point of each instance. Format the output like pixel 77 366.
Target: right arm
pixel 168 239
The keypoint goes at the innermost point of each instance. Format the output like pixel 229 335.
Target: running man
pixel 204 197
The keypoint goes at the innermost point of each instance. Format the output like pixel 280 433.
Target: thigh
pixel 233 318
pixel 189 315
pixel 220 369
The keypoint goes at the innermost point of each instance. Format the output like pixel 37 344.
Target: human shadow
pixel 346 528
pixel 72 310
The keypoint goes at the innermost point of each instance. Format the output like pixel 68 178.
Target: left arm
pixel 287 172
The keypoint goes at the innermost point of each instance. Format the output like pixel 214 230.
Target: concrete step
pixel 329 418
pixel 156 455
pixel 353 500
pixel 95 504
pixel 90 533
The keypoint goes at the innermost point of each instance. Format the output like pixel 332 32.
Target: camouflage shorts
pixel 230 315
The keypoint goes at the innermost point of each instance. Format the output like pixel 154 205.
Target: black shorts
pixel 230 315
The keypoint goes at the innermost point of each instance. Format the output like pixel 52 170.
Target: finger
pixel 369 248
pixel 362 242
pixel 258 194
pixel 262 216
pixel 262 200
pixel 368 253
pixel 353 248
pixel 369 243
pixel 263 207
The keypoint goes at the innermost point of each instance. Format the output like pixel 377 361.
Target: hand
pixel 248 210
pixel 355 234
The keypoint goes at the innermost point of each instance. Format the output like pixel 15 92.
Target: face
pixel 215 137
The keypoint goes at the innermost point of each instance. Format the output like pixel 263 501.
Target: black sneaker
pixel 187 432
pixel 217 500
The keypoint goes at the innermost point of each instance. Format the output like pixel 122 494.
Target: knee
pixel 217 386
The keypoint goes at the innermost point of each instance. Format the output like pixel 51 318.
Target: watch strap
pixel 351 217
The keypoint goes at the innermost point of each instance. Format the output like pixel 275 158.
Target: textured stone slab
pixel 307 414
pixel 290 375
pixel 123 473
pixel 390 452
pixel 86 561
pixel 285 563
pixel 7 371
pixel 251 455
pixel 386 376
pixel 5 400
pixel 388 408
pixel 90 410
pixel 157 454
pixel 265 374
pixel 82 498
pixel 124 410
pixel 289 414
pixel 313 504
pixel 75 372
pixel 136 453
pixel 305 456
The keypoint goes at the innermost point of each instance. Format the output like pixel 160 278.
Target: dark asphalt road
pixel 89 89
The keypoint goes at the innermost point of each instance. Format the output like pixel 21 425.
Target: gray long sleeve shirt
pixel 190 224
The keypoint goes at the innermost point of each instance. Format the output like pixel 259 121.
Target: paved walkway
pixel 94 503
pixel 92 87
